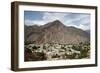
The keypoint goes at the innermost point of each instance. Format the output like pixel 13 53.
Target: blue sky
pixel 79 20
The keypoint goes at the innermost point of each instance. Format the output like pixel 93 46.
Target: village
pixel 56 51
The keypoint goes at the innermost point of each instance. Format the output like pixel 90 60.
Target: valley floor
pixel 56 51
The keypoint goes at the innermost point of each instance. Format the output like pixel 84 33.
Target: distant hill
pixel 56 32
pixel 88 31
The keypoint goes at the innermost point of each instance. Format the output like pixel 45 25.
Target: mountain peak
pixel 57 22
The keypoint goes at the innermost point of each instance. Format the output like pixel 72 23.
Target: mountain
pixel 88 31
pixel 56 32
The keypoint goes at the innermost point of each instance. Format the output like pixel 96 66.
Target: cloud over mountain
pixel 79 20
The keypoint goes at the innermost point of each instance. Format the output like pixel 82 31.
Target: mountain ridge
pixel 57 32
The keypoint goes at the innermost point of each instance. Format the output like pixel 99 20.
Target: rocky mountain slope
pixel 55 32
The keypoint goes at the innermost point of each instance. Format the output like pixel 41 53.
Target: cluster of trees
pixel 30 55
pixel 83 48
pixel 29 42
pixel 33 56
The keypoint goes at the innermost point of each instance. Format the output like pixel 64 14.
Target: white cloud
pixel 34 22
pixel 63 17
pixel 84 27
pixel 47 17
pixel 54 16
pixel 80 26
